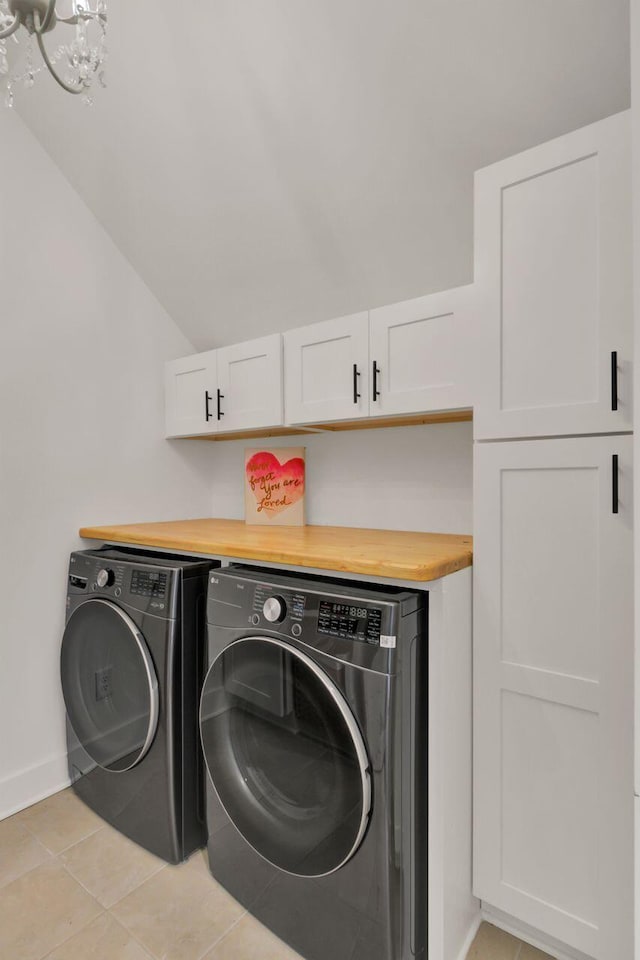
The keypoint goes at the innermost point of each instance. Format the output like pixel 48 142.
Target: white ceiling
pixel 267 163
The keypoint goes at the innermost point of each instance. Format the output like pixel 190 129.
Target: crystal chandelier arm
pixel 38 30
pixel 75 19
pixel 8 31
pixel 48 17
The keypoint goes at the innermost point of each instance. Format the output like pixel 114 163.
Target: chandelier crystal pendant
pixel 76 66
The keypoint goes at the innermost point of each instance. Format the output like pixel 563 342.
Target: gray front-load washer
pixel 313 721
pixel 131 665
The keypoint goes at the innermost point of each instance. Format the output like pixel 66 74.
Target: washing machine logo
pixel 214 580
pixel 156 606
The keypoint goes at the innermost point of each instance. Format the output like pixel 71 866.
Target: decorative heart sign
pixel 275 486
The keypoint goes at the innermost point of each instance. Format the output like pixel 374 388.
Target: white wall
pixel 82 343
pixel 409 478
pixel 314 159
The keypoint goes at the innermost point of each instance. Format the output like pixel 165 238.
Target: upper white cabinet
pixel 220 391
pixel 250 383
pixel 326 370
pixel 553 687
pixel 553 242
pixel 421 352
pixel 411 357
pixel 191 390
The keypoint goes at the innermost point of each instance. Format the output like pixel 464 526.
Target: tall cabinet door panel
pixel 420 352
pixel 250 384
pixel 327 370
pixel 554 283
pixel 191 385
pixel 553 688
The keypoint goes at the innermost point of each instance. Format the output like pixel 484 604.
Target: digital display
pixel 147 583
pixel 350 621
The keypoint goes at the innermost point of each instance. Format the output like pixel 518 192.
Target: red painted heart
pixel 276 486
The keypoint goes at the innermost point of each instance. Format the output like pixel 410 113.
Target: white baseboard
pixel 26 787
pixel 530 935
pixel 473 929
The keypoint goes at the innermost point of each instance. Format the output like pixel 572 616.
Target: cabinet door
pixel 327 370
pixel 553 688
pixel 553 276
pixel 190 395
pixel 250 384
pixel 420 350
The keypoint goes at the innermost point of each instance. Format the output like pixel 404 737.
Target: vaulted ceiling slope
pixel 268 163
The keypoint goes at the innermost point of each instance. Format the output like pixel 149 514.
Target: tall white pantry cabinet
pixel 553 554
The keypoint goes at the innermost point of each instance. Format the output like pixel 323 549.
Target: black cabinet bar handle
pixel 614 483
pixel 220 412
pixel 376 371
pixel 614 380
pixel 207 401
pixel 356 392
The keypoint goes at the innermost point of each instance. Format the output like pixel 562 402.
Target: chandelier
pixel 77 65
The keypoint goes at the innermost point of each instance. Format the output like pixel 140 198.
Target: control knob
pixel 274 610
pixel 105 578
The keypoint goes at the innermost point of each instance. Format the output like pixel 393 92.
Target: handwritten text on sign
pixel 275 487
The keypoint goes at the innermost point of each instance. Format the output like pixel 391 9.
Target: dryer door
pixel 109 685
pixel 286 756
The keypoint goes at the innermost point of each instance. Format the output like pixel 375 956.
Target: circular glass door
pixel 109 685
pixel 285 756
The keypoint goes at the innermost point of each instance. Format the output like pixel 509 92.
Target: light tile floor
pixel 71 888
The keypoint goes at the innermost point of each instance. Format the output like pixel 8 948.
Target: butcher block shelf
pixel 390 554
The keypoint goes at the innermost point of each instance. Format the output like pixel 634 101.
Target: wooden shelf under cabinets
pixel 366 423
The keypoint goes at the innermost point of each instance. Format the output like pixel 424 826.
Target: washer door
pixel 109 685
pixel 285 756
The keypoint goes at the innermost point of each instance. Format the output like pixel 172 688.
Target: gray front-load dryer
pixel 131 666
pixel 314 730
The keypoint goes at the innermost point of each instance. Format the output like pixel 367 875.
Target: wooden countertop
pixel 398 555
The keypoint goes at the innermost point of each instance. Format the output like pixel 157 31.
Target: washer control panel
pixel 350 621
pixel 276 608
pixel 354 623
pixel 148 583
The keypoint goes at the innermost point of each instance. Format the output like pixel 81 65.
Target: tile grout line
pixel 76 842
pixel 81 884
pixel 135 939
pixel 103 911
pixel 54 853
pixel 215 943
pixel 82 840
pixel 150 876
pixel 32 835
pixel 91 894
pixel 84 925
pixel 74 934
pixel 26 873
